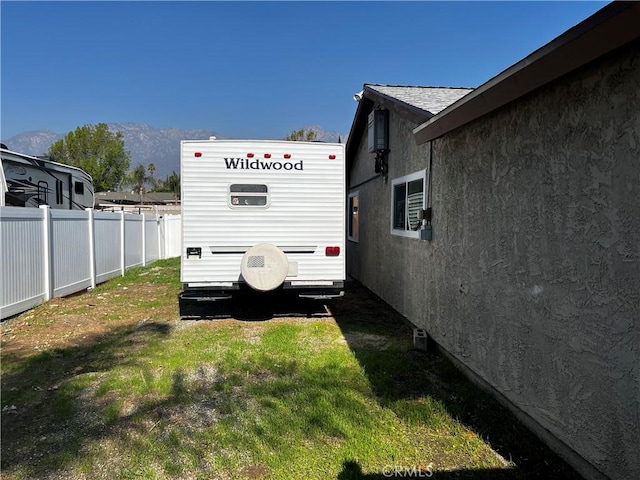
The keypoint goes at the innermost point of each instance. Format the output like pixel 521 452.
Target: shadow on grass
pixel 44 412
pixel 351 470
pixel 60 414
pixel 407 373
pixel 65 419
pixel 58 427
pixel 247 305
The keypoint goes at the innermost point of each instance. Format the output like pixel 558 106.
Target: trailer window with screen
pixel 243 195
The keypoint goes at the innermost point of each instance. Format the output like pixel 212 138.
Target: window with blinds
pixel 407 199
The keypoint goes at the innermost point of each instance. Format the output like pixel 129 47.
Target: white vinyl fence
pixel 47 253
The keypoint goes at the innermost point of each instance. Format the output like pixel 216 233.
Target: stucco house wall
pixel 532 279
pixel 376 257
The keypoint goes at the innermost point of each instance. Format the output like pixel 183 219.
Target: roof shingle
pixel 430 99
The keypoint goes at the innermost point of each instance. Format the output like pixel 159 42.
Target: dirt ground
pixel 67 321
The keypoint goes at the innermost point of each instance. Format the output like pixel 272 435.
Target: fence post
pixel 144 240
pixel 165 235
pixel 123 256
pixel 47 253
pixel 92 246
pixel 159 229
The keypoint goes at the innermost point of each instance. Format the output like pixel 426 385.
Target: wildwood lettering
pixel 245 164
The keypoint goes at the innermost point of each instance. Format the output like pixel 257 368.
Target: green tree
pixel 302 135
pixel 137 178
pixel 170 184
pixel 151 168
pixel 97 151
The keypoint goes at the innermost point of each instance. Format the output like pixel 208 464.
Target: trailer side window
pixel 43 188
pixel 59 196
pixel 79 188
pixel 248 195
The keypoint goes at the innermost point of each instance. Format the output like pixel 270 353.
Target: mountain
pixel 160 146
pixel 32 143
pixel 147 144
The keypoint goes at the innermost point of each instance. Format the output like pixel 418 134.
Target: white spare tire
pixel 264 267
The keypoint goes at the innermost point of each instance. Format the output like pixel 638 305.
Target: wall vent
pixel 420 339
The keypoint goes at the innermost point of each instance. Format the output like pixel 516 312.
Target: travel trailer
pixel 27 181
pixel 263 215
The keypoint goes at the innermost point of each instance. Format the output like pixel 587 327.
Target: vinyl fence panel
pixel 22 284
pixel 133 240
pixel 151 235
pixel 49 252
pixel 108 251
pixel 70 251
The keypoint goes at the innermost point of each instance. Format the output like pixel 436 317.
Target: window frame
pixel 43 192
pixel 420 175
pixel 354 238
pixel 266 194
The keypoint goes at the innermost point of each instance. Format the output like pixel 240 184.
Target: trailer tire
pixel 264 267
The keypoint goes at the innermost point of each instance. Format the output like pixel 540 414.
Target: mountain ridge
pixel 147 144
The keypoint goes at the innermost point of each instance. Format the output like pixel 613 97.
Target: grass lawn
pixel 111 383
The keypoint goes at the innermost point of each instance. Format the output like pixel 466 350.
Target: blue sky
pixel 249 69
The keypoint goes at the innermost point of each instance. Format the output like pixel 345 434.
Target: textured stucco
pixel 532 279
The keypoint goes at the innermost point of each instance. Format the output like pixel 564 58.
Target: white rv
pixel 264 214
pixel 27 181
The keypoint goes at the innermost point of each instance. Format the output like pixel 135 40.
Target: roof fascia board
pixel 610 28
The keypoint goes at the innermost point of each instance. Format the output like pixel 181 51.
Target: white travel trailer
pixel 264 214
pixel 27 181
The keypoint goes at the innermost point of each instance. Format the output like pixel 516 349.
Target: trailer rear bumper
pixel 207 302
pixel 322 294
pixel 320 290
pixel 330 290
pixel 205 295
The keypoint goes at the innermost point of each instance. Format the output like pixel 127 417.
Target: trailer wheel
pixel 264 267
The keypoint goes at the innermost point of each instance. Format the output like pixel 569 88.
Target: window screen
pixel 248 195
pixel 415 202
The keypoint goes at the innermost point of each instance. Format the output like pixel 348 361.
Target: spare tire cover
pixel 264 267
